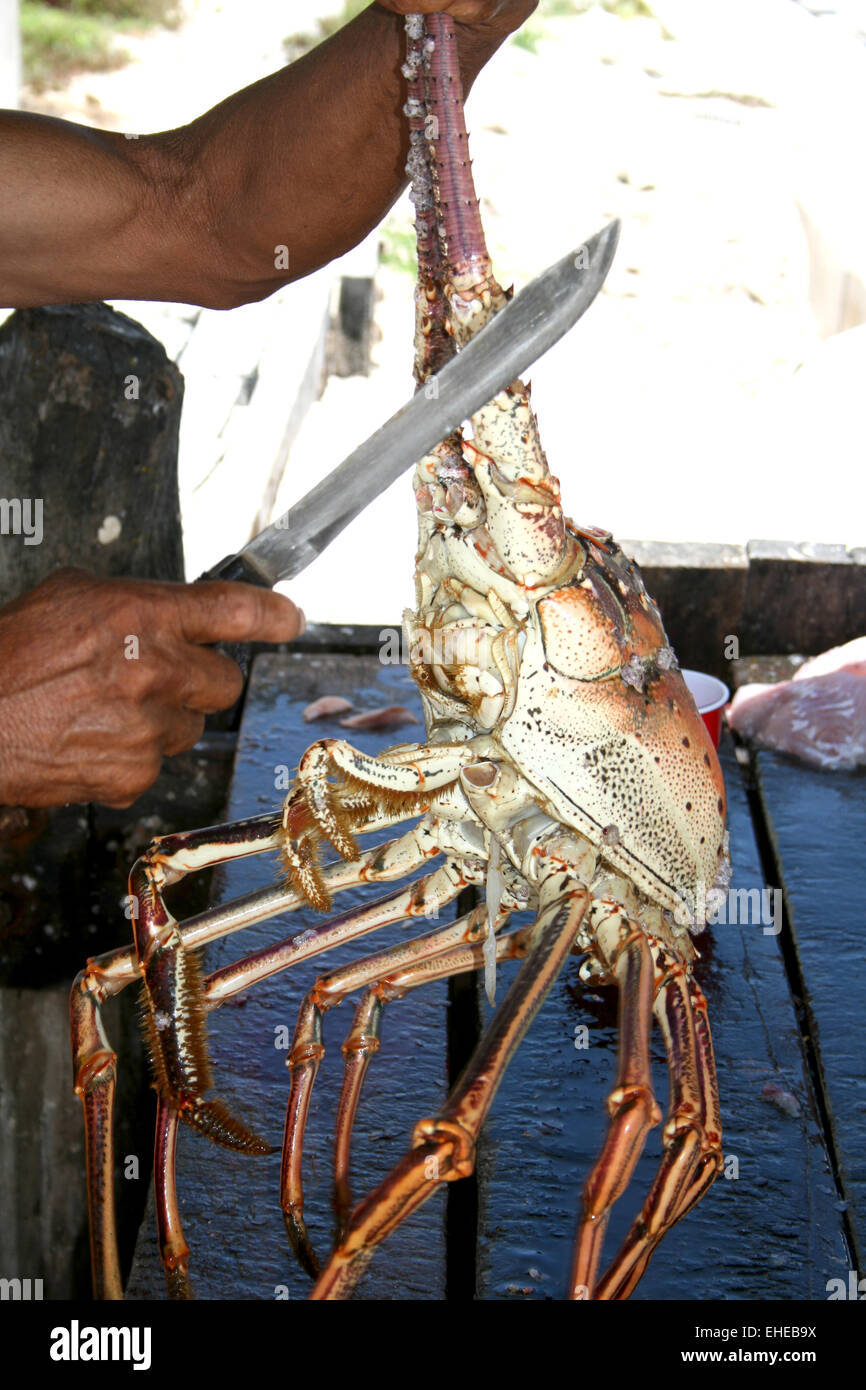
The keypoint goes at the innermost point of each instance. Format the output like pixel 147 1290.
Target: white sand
pixel 676 409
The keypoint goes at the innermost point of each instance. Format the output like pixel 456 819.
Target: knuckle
pixel 135 678
pixel 139 729
pixel 68 577
pixel 185 736
pixel 63 573
pixel 127 784
pixel 145 773
pixel 229 681
pixel 196 729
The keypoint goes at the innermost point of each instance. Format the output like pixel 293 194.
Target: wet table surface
pixel 785 1008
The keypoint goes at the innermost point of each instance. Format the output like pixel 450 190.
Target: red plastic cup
pixel 710 696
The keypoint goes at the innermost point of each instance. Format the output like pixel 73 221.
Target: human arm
pixel 308 159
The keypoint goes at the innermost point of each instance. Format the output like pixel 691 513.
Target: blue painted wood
pixel 817 823
pixel 771 1233
pixel 230 1203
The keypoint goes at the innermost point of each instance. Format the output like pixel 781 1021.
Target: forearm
pixel 76 214
pixel 309 159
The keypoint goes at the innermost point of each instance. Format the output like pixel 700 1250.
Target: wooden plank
pixel 817 824
pixel 773 1233
pixel 230 1203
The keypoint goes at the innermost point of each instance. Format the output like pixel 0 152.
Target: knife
pixel 530 324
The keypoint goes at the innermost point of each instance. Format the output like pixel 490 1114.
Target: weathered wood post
pixel 89 417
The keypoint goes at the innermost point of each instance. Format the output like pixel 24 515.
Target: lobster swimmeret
pixel 565 770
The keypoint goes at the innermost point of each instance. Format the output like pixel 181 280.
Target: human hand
pixel 491 19
pixel 99 679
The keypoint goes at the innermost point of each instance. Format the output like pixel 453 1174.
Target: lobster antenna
pixel 464 245
pixel 433 345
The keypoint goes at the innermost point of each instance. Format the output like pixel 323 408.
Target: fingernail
pixel 302 623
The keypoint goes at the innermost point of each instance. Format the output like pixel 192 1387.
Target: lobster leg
pixel 358 1049
pixel 107 975
pixel 443 1148
pixel 94 1060
pixel 631 1104
pixel 173 1249
pixel 363 1039
pixel 417 900
pixel 95 1070
pixel 416 847
pixel 308 1051
pixel 401 779
pixel 692 1133
pixel 380 974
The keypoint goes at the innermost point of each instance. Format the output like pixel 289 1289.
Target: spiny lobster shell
pixel 605 726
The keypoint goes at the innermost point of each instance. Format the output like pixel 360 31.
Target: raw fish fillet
pixel 326 707
pixel 389 718
pixel 819 716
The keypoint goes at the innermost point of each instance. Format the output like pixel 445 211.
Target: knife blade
pixel 519 334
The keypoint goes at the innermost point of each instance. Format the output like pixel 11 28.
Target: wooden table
pixel 785 1011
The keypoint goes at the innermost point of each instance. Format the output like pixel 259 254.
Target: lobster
pixel 565 771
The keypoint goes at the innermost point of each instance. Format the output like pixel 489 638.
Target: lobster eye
pixel 582 633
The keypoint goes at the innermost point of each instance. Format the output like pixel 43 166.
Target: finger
pixel 171 731
pixel 208 681
pixel 126 781
pixel 218 611
pixel 185 729
pixel 410 7
pixel 465 11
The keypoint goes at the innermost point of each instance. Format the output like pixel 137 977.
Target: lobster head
pixel 605 726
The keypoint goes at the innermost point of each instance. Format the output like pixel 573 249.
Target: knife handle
pixel 236 567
